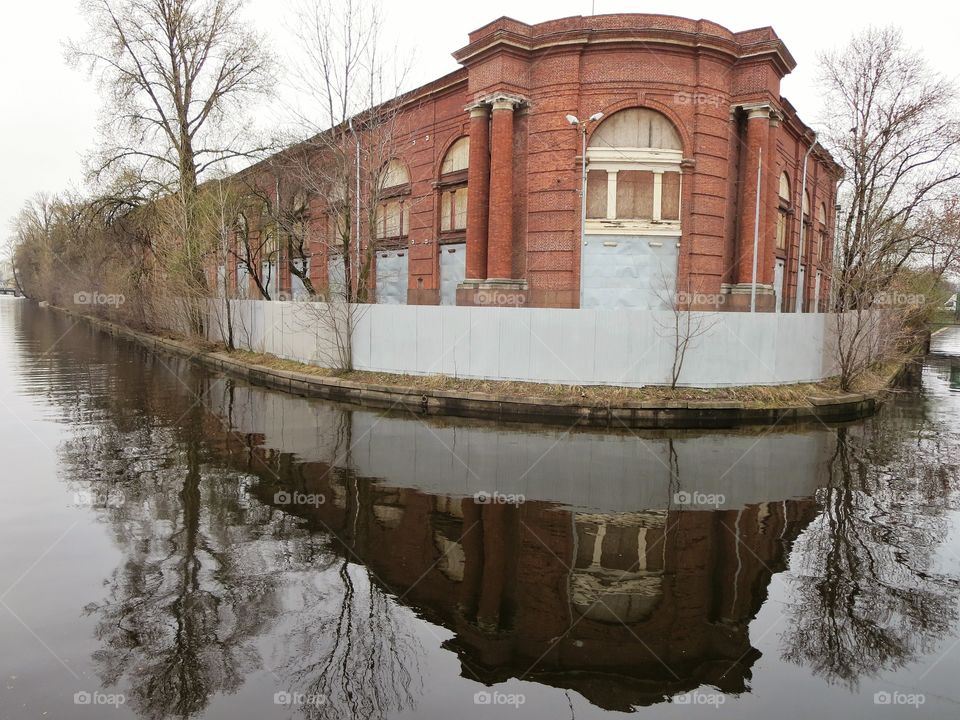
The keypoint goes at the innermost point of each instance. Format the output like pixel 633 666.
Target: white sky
pixel 48 111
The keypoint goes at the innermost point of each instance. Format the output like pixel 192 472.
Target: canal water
pixel 175 543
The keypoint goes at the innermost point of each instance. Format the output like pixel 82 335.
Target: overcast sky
pixel 48 114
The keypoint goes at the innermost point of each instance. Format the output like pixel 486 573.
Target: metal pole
pixel 583 183
pixel 798 305
pixel 756 234
pixel 358 208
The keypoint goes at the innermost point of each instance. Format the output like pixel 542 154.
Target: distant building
pixel 485 205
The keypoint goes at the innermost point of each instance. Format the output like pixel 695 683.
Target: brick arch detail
pixel 645 104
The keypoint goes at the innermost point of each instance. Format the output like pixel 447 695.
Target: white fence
pixel 561 346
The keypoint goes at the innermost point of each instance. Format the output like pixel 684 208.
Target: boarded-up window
pixel 784 190
pixel 394 175
pixel 784 194
pixel 457 158
pixel 446 211
pixel 597 194
pixel 782 230
pixel 453 210
pixel 393 219
pixel 460 216
pixel 634 195
pixel 636 128
pixel 670 196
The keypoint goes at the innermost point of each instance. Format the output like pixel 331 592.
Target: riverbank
pixel 652 407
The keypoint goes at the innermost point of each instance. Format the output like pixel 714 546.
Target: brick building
pixel 485 196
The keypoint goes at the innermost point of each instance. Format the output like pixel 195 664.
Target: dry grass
pixel 751 395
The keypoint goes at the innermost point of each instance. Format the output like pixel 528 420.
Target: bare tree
pixel 683 326
pixel 177 75
pixel 893 128
pixel 345 194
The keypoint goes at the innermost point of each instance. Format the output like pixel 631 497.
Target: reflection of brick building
pixel 624 608
pixel 484 191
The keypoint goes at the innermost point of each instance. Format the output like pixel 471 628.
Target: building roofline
pixel 627 27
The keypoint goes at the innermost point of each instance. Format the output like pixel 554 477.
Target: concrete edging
pixel 627 414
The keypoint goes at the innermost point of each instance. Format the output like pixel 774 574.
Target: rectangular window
pixel 597 194
pixel 446 212
pixel 392 219
pixel 453 210
pixel 460 204
pixel 670 199
pixel 634 195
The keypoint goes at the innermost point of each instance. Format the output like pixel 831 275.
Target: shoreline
pixel 611 414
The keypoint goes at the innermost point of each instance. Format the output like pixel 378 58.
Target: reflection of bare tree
pixel 869 597
pixel 183 609
pixel 351 644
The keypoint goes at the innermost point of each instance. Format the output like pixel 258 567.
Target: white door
pixel 269 278
pixel 243 281
pixel 623 271
pixel 336 277
pixel 298 290
pixel 392 277
pixel 778 284
pixel 453 269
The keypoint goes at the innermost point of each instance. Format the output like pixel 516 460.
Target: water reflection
pixel 869 592
pixel 600 582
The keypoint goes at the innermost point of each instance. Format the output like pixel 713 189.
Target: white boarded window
pixel 453 187
pixel 634 180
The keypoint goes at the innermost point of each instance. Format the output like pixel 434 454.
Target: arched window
pixel 783 210
pixel 634 173
pixel 393 206
pixel 453 189
pixel 821 231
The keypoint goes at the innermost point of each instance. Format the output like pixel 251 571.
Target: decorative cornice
pixel 506 101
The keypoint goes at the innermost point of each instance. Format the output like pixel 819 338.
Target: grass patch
pixel 877 379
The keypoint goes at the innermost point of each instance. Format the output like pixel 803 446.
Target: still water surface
pixel 175 543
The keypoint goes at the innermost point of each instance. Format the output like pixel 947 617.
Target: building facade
pixel 703 189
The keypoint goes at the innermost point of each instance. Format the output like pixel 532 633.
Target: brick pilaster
pixel 500 227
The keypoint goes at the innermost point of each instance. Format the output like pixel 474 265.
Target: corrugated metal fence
pixel 561 346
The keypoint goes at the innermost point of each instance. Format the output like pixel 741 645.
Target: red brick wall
pixel 694 72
